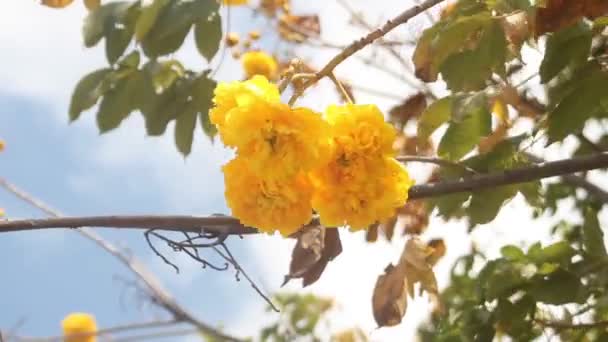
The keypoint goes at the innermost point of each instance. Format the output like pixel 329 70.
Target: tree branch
pixel 160 296
pixel 563 325
pixel 359 44
pixel 578 182
pixel 231 226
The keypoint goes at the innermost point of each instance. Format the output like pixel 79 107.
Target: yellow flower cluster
pixel 290 161
pixel 77 325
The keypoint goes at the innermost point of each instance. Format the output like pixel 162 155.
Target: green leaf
pixel 185 124
pixel 208 35
pixel 130 61
pixel 466 128
pixel 148 17
pixel 508 6
pixel 444 39
pixel 434 116
pixel 202 96
pixel 499 278
pixel 118 103
pixel 568 47
pixel 87 92
pixel 512 253
pixel 485 204
pixel 600 22
pixel 117 41
pixel 583 102
pixel 558 288
pixel 469 70
pixel 174 23
pixel 100 19
pixel 593 236
pixel 559 252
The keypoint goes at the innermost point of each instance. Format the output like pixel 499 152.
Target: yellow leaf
pixel 57 3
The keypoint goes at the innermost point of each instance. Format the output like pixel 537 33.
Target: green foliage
pixel 300 317
pixel 162 90
pixel 569 47
pixel 470 121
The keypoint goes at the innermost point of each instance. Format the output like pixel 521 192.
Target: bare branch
pixel 153 285
pixel 437 161
pixel 229 225
pixel 108 331
pixel 578 182
pixel 513 176
pixel 575 326
pixel 364 41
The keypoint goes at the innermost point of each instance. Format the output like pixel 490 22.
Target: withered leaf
pixel 371 234
pixel 558 14
pixel 298 28
pixel 388 227
pixel 438 251
pixel 415 262
pixel 411 108
pixel 389 300
pixel 315 248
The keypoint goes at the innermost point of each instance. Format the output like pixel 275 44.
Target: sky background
pixel 48 274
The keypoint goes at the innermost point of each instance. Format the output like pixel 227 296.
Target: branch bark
pixel 231 226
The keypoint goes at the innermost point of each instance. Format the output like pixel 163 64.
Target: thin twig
pixel 108 331
pixel 340 87
pixel 153 285
pixel 363 42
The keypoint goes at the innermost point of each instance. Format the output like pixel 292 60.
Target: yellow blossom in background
pixel 360 130
pixel 230 95
pixel 235 2
pixel 267 204
pixel 361 201
pixel 276 140
pixel 77 324
pixel 259 63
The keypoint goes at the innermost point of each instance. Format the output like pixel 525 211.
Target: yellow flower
pixel 362 183
pixel 230 95
pixel 267 204
pixel 235 2
pixel 259 63
pixel 369 193
pixel 77 324
pixel 360 131
pixel 276 140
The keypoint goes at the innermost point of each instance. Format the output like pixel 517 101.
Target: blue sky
pixel 47 274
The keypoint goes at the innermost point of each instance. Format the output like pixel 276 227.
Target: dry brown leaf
pixel 558 14
pixel 417 268
pixel 517 30
pixel 271 7
pixel 415 216
pixel 412 146
pixel 487 144
pixel 439 249
pixel 389 300
pixel 411 108
pixel 297 28
pixel 315 248
pixel 388 227
pixel 371 234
